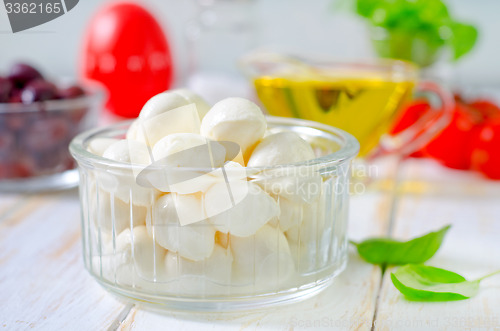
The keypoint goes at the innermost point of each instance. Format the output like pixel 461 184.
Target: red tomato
pixel 126 50
pixel 485 155
pixel 487 109
pixel 471 139
pixel 410 115
pixel 451 146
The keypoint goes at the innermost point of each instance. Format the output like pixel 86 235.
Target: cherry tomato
pixel 471 139
pixel 451 146
pixel 126 50
pixel 487 109
pixel 485 155
pixel 410 115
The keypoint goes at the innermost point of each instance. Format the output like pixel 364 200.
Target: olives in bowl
pixel 38 119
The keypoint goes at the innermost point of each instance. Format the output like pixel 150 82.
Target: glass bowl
pixel 34 140
pixel 134 244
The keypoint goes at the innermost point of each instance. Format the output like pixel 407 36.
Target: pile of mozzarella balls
pixel 231 230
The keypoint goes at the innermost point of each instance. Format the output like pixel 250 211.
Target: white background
pixel 296 24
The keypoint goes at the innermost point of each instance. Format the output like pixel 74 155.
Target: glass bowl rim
pixel 348 150
pixel 94 92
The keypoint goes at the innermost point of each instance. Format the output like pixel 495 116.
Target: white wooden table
pixel 43 284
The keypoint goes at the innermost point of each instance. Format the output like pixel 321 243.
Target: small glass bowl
pixel 34 141
pixel 135 246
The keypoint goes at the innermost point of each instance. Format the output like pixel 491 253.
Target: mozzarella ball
pixel 211 277
pixel 177 153
pixel 161 103
pixel 128 151
pixel 190 149
pixel 122 182
pixel 122 185
pixel 217 267
pixel 240 209
pixel 294 186
pixel 172 99
pixel 189 208
pixel 237 120
pixel 136 131
pixel 298 184
pixel 201 105
pixel 185 150
pixel 263 259
pixel 192 241
pixel 169 112
pixel 164 114
pixel 98 145
pixel 232 171
pixel 311 242
pixel 290 214
pixel 312 225
pixel 222 239
pixel 135 248
pixel 177 142
pixel 147 254
pixel 281 148
pixel 107 212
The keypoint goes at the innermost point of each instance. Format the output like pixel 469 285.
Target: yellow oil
pixel 364 107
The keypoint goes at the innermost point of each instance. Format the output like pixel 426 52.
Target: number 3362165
pixel 33 8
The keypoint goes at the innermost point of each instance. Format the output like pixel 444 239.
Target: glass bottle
pixel 221 33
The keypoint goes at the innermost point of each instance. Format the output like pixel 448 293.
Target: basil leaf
pixel 427 26
pixel 464 37
pixel 431 12
pixel 389 251
pixel 366 8
pixel 425 283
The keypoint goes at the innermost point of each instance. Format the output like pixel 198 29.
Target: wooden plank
pixel 426 176
pixel 43 283
pixel 9 202
pixel 348 304
pixel 471 248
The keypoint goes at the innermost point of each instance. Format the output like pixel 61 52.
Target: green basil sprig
pixel 414 280
pixel 417 29
pixel 386 251
pixel 426 283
